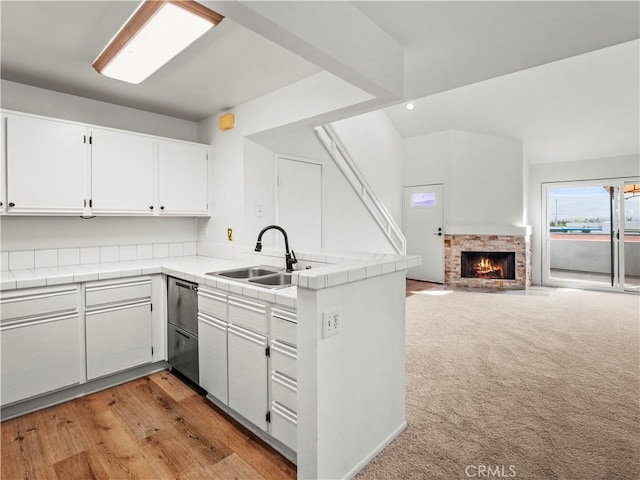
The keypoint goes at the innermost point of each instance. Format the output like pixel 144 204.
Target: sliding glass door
pixel 630 235
pixel 592 234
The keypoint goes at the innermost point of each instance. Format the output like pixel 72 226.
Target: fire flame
pixel 487 269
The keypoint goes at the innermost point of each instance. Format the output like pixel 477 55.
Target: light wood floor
pixel 151 428
pixel 417 286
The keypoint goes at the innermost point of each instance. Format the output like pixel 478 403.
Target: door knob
pixel 151 207
pixel 438 234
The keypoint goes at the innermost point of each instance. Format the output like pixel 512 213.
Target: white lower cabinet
pixel 238 369
pixel 212 356
pixel 248 375
pixel 40 356
pixel 41 341
pixel 118 325
pixel 117 339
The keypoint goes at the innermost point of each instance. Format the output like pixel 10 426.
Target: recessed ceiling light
pixel 155 33
pixel 410 106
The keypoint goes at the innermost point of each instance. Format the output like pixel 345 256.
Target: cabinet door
pixel 40 356
pixel 46 166
pixel 118 338
pixel 121 173
pixel 212 353
pixel 248 375
pixel 182 177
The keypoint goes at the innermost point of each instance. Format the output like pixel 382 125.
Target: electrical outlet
pixel 331 323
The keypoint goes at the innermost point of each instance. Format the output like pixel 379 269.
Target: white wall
pixel 482 175
pixel 351 385
pixel 301 102
pixel 24 233
pixel 33 233
pixel 346 223
pixel 593 169
pixel 377 148
pixel 38 101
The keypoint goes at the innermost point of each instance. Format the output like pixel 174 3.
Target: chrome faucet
pixel 290 257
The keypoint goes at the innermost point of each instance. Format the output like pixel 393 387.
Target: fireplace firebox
pixel 491 265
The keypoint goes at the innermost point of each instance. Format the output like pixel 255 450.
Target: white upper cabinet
pixel 182 178
pixel 47 165
pixel 121 173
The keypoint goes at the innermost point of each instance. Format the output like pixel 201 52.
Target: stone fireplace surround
pixel 511 239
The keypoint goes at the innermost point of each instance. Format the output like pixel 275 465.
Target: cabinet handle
pixel 161 207
pixel 11 204
pixel 151 207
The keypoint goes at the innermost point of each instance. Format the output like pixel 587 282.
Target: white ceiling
pixel 52 44
pixel 449 44
pixel 587 106
pixel 446 44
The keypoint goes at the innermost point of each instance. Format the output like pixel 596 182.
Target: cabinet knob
pixel 11 204
pixel 161 207
pixel 151 207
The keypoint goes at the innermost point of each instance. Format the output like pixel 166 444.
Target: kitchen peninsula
pixel 347 383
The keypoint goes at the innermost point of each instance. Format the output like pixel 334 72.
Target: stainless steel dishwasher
pixel 182 331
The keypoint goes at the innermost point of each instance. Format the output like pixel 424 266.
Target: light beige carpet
pixel 538 386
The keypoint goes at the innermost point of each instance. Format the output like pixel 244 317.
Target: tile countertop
pixel 193 268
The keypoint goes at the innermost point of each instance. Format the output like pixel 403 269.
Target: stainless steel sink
pixel 275 280
pixel 247 272
pixel 261 275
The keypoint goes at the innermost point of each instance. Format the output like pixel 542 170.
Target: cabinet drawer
pixel 283 359
pixel 36 302
pixel 283 326
pixel 284 391
pixel 284 425
pixel 109 293
pixel 248 314
pixel 212 303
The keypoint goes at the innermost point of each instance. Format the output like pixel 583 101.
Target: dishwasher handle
pixel 188 286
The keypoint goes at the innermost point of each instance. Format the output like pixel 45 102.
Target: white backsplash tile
pixel 176 249
pixel 21 260
pixel 128 253
pixel 4 261
pixel 160 250
pixel 144 252
pixel 89 255
pixel 109 254
pixel 68 256
pixel 46 258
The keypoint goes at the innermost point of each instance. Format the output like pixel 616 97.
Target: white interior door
pixel 299 202
pixel 424 229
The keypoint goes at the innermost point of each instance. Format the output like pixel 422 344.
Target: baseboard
pixel 384 444
pixel 278 446
pixel 76 391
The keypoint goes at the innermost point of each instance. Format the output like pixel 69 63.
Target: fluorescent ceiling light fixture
pixel 155 33
pixel 410 106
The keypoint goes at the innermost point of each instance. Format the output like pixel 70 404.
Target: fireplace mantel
pixel 469 229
